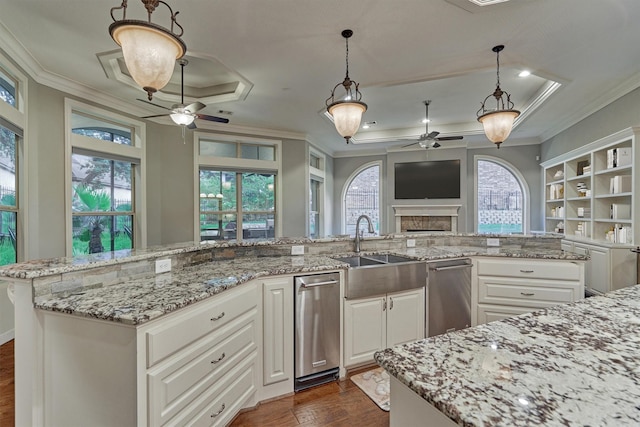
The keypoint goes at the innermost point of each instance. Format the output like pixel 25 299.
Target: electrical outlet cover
pixel 493 242
pixel 411 243
pixel 297 250
pixel 163 265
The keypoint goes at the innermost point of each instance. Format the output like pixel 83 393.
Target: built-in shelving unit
pixel 597 198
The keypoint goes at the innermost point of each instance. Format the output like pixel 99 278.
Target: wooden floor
pixel 7 402
pixel 334 404
pixel 339 403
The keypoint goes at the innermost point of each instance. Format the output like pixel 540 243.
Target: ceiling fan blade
pixel 432 135
pixel 435 145
pixel 155 115
pixel 192 125
pixel 212 118
pixel 157 105
pixel 409 145
pixel 448 138
pixel 196 106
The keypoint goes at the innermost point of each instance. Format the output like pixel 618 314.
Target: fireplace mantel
pixel 409 212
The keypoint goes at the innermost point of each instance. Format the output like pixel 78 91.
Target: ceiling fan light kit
pixel 498 122
pixel 348 109
pixel 150 50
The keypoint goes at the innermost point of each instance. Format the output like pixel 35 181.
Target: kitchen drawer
pixel 176 382
pixel 528 268
pixel 220 403
pixel 173 334
pixel 492 313
pixel 526 293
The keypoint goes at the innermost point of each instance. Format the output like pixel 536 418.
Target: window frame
pixel 15 119
pixel 237 165
pixel 316 175
pixel 526 194
pixel 134 153
pixel 345 189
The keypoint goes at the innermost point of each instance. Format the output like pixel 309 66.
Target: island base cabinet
pixel 409 409
pixel 373 324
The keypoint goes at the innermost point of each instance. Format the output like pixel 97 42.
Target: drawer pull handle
pixel 527 294
pixel 219 412
pixel 213 319
pixel 526 271
pixel 219 359
pixel 390 303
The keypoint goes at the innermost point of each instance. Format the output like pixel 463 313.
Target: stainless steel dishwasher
pixel 317 329
pixel 448 295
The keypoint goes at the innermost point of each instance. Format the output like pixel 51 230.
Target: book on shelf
pixel 620 184
pixel 620 211
pixel 584 212
pixel 617 157
pixel 619 234
pixel 580 169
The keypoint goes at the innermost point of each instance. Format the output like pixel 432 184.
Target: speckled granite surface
pixel 140 300
pixel 569 365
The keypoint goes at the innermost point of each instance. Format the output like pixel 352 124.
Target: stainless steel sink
pixel 371 275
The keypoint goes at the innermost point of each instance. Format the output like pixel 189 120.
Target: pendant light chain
pixel 346 41
pixel 498 67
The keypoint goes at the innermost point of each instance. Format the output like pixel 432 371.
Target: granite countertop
pixel 142 299
pixel 572 365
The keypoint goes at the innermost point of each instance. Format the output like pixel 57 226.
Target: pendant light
pixel 150 50
pixel 498 122
pixel 347 110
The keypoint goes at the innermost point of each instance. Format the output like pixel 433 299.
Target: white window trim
pixel 235 164
pixel 134 151
pixel 345 188
pixel 526 194
pixel 316 174
pixel 19 117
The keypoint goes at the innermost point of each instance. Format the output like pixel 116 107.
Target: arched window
pixel 362 197
pixel 502 197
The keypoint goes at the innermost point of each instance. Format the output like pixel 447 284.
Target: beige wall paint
pixel 294 188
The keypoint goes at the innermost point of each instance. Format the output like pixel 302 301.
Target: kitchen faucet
pixel 371 230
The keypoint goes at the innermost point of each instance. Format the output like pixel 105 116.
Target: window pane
pixel 8 89
pixel 95 234
pixel 258 192
pixel 363 198
pixel 97 128
pixel 8 244
pixel 217 149
pixel 314 161
pixel 258 226
pixel 7 167
pixel 100 184
pixel 218 226
pixel 217 190
pixel 314 208
pixel 500 204
pixel 257 152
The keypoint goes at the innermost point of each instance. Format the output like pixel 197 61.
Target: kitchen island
pixel 572 365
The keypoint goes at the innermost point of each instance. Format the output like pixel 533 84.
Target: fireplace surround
pixel 422 218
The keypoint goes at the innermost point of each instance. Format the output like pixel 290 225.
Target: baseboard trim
pixel 7 336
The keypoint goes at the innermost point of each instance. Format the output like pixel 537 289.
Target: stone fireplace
pixel 436 218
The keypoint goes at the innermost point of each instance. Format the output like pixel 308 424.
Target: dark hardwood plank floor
pixel 7 394
pixel 339 403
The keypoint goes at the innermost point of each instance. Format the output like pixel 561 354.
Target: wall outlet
pixel 411 243
pixel 163 265
pixel 493 242
pixel 297 250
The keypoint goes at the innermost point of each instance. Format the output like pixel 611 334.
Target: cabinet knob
pixel 219 359
pixel 213 319
pixel 526 271
pixel 219 412
pixel 527 294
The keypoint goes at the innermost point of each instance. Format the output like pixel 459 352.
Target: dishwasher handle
pixel 451 267
pixel 313 285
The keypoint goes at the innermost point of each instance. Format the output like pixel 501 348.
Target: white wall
pixel 6 315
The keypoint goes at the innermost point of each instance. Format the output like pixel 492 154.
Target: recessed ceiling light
pixel 524 73
pixel 425 121
pixel 367 125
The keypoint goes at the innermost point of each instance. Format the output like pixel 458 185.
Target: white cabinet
pixel 610 267
pixel 506 287
pixel 277 318
pixel 373 324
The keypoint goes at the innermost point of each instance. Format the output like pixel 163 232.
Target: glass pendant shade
pixel 150 53
pixel 498 124
pixel 347 116
pixel 183 119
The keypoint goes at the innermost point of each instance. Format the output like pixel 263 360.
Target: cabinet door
pixel 364 329
pixel 599 276
pixel 278 330
pixel 405 317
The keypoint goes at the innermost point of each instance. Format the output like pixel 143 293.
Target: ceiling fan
pixel 185 115
pixel 428 139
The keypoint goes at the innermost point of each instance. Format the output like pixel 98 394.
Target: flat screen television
pixel 436 179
